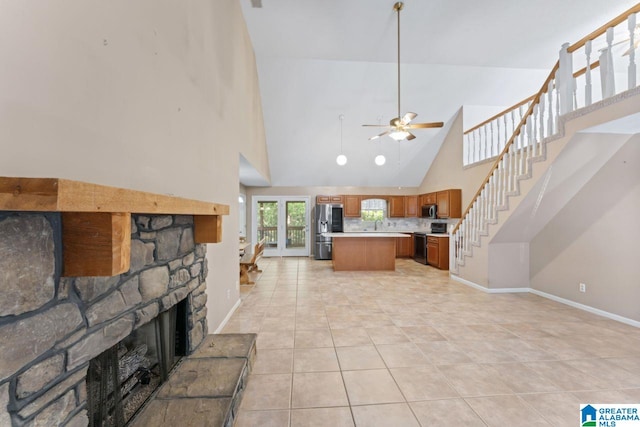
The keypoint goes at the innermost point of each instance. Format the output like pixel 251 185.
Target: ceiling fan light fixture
pixel 380 160
pixel 399 135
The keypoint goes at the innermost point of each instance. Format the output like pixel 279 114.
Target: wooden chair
pixel 249 263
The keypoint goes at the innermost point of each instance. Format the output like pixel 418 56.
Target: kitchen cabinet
pixel 438 252
pixel 396 207
pixel 449 203
pixel 404 247
pixel 428 199
pixel 351 206
pixel 411 206
pixel 329 199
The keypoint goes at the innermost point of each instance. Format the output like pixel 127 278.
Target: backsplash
pixel 395 224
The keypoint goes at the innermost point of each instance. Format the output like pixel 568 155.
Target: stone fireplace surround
pixel 51 326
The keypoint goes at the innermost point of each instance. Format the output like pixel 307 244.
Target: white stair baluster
pixel 523 139
pixel 556 118
pixel 530 133
pixel 509 169
pixel 472 148
pixel 607 77
pixel 486 141
pixel 495 150
pixel 541 121
pixel 587 85
pixel 506 134
pixel 550 98
pixel 632 50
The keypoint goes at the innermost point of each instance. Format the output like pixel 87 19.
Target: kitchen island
pixel 365 251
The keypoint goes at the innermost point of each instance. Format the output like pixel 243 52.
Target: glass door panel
pixel 267 225
pixel 297 226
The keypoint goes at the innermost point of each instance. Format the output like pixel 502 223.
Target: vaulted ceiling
pixel 318 60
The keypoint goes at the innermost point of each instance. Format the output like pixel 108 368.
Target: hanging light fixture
pixel 341 159
pixel 380 159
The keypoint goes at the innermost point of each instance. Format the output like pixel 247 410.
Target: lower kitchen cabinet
pixel 438 252
pixel 404 247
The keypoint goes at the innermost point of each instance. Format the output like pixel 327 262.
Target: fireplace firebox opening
pixel 123 378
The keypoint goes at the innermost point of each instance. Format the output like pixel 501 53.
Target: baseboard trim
pixel 229 314
pixel 588 308
pixel 489 290
pixel 552 297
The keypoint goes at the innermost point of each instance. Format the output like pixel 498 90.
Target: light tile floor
pixel 414 348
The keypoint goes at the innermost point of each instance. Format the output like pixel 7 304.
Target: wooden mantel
pixel 96 219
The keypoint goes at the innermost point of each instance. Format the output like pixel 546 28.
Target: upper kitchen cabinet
pixel 351 206
pixel 428 199
pixel 396 206
pixel 411 206
pixel 449 203
pixel 329 199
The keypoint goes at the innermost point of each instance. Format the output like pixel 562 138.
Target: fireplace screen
pixel 121 379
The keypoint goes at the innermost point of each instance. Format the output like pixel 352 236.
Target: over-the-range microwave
pixel 429 211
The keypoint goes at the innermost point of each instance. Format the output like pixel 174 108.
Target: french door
pixel 284 222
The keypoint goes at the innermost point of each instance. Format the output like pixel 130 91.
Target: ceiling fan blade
pixel 425 125
pixel 410 136
pixel 406 119
pixel 377 126
pixel 378 136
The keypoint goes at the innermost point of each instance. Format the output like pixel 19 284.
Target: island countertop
pixel 365 234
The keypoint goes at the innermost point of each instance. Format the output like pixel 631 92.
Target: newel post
pixel 565 81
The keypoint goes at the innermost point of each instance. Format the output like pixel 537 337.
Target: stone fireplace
pixel 51 326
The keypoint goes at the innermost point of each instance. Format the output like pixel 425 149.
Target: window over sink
pixel 373 210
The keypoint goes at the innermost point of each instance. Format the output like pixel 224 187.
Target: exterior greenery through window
pixel 295 223
pixel 373 210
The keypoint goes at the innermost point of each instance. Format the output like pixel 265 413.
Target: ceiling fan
pixel 400 126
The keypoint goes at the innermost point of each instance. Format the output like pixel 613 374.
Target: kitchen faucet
pixel 375 224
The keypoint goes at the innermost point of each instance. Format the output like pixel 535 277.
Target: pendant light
pixel 341 159
pixel 380 159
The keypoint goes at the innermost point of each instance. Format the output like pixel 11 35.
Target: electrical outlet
pixel 228 293
pixel 583 287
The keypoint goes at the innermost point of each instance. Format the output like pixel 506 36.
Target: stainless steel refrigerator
pixel 329 219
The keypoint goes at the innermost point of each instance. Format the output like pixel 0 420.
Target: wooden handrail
pixel 577 74
pixel 496 164
pixel 603 29
pixel 492 118
pixel 584 70
pixel 615 21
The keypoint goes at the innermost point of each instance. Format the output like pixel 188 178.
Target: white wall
pixel 594 240
pixel 148 95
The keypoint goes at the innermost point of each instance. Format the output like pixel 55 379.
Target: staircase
pixel 530 136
